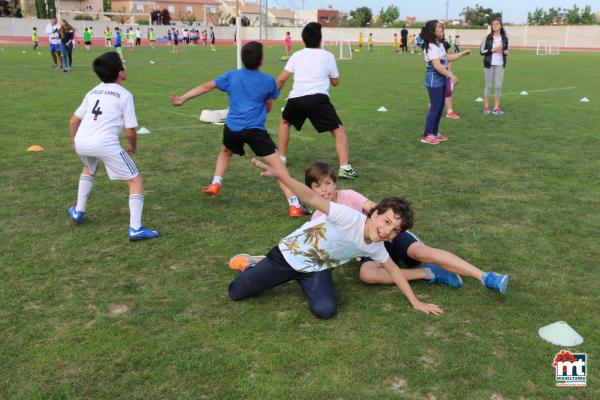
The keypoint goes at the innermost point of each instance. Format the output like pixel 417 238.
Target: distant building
pixel 328 18
pixel 411 19
pixel 177 8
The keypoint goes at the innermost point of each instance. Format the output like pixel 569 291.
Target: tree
pixel 389 15
pixel 587 16
pixel 187 18
pixel 536 17
pixel 552 17
pixel 121 19
pixel 573 17
pixel 362 16
pixel 106 5
pixel 166 17
pixel 480 16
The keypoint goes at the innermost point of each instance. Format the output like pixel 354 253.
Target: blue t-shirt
pixel 248 90
pixel 432 77
pixel 118 39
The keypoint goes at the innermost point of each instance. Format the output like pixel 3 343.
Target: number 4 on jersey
pixel 96 110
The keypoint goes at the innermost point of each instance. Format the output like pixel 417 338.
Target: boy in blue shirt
pixel 250 98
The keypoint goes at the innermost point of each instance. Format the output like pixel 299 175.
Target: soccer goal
pixel 345 50
pixel 554 48
pixel 541 48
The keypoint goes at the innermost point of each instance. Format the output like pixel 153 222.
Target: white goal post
pixel 547 48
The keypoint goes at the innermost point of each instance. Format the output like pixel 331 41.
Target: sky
pixel 514 11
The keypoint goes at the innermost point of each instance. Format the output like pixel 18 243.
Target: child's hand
pixel 454 80
pixel 466 53
pixel 505 52
pixel 177 101
pixel 428 308
pixel 130 150
pixel 266 169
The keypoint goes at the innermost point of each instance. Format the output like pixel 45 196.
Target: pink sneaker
pixel 486 111
pixel 452 115
pixel 429 139
pixel 440 138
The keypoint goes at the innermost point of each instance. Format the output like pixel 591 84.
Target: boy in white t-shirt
pixel 95 128
pixel 405 249
pixel 314 69
pixel 308 254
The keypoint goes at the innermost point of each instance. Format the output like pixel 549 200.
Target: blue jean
pixel 273 270
pixel 66 52
pixel 437 97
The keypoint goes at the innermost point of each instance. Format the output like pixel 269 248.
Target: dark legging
pixel 273 270
pixel 437 96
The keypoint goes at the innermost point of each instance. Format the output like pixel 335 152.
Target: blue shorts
pixel 54 48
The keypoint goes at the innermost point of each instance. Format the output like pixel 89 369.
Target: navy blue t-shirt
pixel 248 90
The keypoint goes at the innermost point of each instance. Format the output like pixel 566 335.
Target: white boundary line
pixel 542 90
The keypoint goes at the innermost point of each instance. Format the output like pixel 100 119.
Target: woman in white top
pixel 494 50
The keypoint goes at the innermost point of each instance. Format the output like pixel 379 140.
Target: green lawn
pixel 86 314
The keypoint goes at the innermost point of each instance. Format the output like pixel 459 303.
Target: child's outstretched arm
pixel 195 92
pixel 131 136
pixel 282 78
pixel 304 193
pixel 400 281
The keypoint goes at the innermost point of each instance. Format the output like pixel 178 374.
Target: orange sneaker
pixel 240 262
pixel 297 212
pixel 213 189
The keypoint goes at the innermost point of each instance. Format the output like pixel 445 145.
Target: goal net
pixel 541 48
pixel 554 48
pixel 345 50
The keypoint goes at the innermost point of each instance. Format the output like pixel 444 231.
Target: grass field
pixel 86 314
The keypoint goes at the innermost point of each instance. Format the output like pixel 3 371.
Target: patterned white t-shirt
pixel 330 241
pixel 104 112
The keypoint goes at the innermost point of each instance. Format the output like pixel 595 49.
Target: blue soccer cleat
pixel 76 216
pixel 142 234
pixel 440 275
pixel 495 281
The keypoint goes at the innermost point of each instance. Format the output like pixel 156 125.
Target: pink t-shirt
pixel 288 41
pixel 348 198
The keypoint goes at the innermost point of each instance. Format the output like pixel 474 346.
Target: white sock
pixel 449 111
pixel 346 167
pixel 430 274
pixel 293 201
pixel 86 183
pixel 217 179
pixel 283 159
pixel 136 206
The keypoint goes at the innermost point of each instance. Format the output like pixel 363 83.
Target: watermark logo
pixel 571 368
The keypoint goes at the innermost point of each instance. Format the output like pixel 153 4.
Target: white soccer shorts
pixel 120 166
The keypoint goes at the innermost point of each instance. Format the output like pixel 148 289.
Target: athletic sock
pixel 293 201
pixel 86 183
pixel 136 206
pixel 346 167
pixel 429 272
pixel 449 111
pixel 217 179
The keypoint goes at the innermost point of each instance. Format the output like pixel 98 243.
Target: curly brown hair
pixel 402 208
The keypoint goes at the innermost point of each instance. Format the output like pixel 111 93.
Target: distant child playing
pixel 35 39
pixel 288 44
pixel 95 128
pixel 250 97
pixel 118 45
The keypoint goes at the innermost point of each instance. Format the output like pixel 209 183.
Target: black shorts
pixel 317 108
pixel 259 141
pixel 398 250
pixel 138 41
pixel 87 43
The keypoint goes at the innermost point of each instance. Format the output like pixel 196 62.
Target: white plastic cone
pixel 143 131
pixel 524 93
pixel 382 109
pixel 584 100
pixel 152 62
pixel 479 100
pixel 560 334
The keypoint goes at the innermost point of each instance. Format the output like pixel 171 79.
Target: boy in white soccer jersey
pixel 314 69
pixel 95 128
